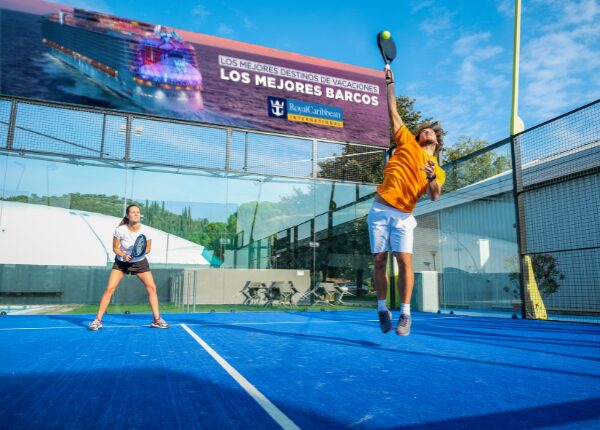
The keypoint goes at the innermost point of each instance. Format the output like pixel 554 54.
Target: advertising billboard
pixel 65 54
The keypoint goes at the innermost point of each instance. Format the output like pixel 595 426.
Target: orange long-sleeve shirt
pixel 404 181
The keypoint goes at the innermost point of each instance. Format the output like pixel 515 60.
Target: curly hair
pixel 437 129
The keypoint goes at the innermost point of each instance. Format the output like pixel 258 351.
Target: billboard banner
pixel 59 53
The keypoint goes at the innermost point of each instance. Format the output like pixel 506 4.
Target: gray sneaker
pixel 385 321
pixel 95 325
pixel 159 323
pixel 403 327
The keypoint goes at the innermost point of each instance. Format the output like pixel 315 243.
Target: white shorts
pixel 390 227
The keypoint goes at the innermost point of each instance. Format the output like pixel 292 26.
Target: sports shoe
pixel 403 327
pixel 159 323
pixel 385 321
pixel 95 325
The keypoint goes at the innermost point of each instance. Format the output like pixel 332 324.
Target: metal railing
pixel 50 128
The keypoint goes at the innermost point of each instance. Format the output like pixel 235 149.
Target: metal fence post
pixel 314 158
pixel 103 137
pixel 11 125
pixel 228 150
pixel 128 137
pixel 519 218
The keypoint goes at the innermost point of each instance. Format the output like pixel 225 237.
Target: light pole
pixel 516 123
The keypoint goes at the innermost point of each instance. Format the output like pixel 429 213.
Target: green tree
pixel 353 166
pixel 545 270
pixel 199 230
pixel 474 170
pixel 411 117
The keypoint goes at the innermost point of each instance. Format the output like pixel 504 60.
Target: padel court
pixel 309 370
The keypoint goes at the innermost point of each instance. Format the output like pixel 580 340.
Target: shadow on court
pixel 84 320
pixel 518 343
pixel 161 399
pixel 571 415
pixel 338 340
pixel 129 399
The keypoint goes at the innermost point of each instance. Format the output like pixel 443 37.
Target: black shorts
pixel 132 268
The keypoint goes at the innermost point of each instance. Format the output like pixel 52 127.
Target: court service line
pixel 275 413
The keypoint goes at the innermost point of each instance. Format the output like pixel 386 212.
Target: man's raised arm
pixel 395 118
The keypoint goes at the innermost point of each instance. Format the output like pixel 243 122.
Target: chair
pixel 245 292
pixel 253 292
pixel 285 291
pixel 272 294
pixel 325 293
pixel 341 290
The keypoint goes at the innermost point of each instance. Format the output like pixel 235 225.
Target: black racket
pixel 387 47
pixel 139 247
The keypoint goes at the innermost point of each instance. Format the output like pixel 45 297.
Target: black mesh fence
pixel 558 202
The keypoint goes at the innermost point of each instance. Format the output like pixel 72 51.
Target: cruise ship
pixel 145 63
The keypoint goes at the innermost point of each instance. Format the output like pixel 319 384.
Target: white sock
pixel 405 309
pixel 381 305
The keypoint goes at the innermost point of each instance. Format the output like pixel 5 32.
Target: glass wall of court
pixel 228 208
pixel 234 212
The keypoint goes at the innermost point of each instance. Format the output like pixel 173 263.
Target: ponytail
pixel 125 219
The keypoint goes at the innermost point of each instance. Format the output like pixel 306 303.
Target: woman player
pixel 123 239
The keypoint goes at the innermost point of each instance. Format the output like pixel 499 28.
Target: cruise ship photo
pixel 146 63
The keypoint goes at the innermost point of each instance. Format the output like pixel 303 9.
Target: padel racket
pixel 387 47
pixel 139 247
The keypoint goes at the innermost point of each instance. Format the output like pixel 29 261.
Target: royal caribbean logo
pixel 277 107
pixel 299 111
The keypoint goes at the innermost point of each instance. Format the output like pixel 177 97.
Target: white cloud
pixel 473 76
pixel 247 23
pixel 418 5
pixel 466 44
pixel 560 63
pixel 474 49
pixel 200 12
pixel 224 30
pixel 559 16
pixel 586 11
pixel 235 14
pixel 481 77
pixel 506 7
pixel 437 23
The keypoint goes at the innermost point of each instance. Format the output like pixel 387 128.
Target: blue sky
pixel 454 56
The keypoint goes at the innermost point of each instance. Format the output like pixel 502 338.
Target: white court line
pixel 69 328
pixel 192 324
pixel 275 413
pixel 221 324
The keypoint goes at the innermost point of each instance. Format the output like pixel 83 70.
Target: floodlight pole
pixel 516 123
pixel 517 126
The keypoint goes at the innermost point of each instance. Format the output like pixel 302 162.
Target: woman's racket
pixel 387 47
pixel 139 247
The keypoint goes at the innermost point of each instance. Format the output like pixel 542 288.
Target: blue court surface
pixel 308 370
